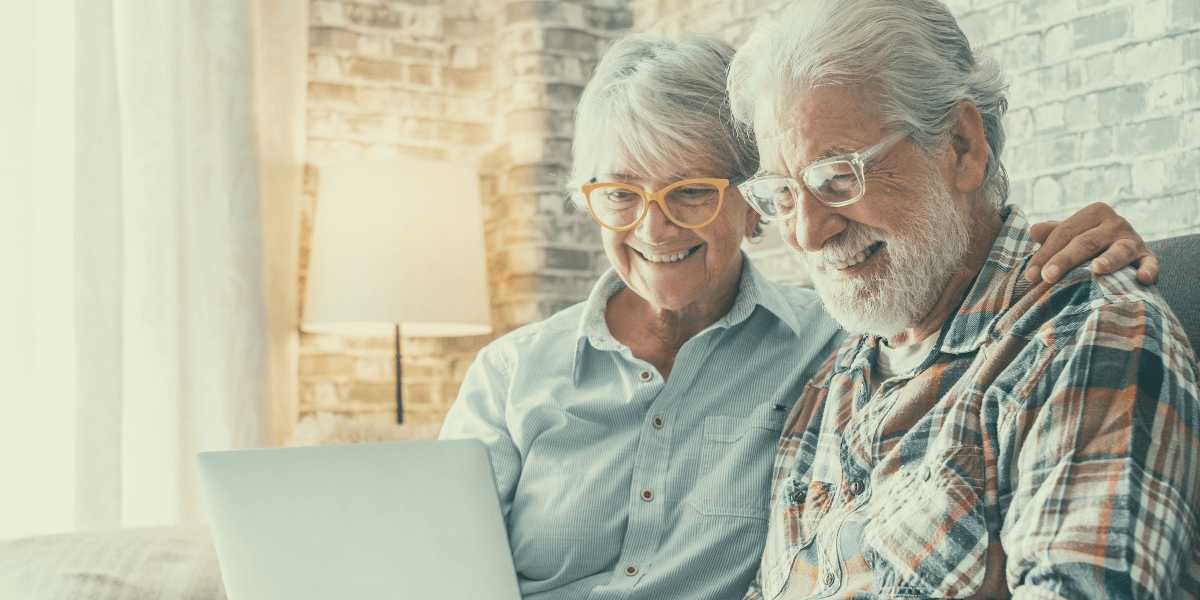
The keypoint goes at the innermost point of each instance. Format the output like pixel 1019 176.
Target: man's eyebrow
pixel 833 152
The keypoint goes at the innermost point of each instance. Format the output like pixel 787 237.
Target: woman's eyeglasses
pixel 691 203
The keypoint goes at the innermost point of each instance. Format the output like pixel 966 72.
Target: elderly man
pixel 977 436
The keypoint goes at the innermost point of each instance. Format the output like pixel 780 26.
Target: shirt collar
pixel 988 299
pixel 754 289
pixel 994 290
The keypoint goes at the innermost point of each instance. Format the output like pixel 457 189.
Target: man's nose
pixel 655 226
pixel 813 223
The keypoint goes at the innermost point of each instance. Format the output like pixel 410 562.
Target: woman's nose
pixel 655 225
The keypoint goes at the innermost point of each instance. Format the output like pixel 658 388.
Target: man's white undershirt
pixel 890 362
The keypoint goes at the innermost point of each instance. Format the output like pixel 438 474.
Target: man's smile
pixel 847 260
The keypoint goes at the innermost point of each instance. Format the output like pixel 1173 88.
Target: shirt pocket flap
pixel 800 507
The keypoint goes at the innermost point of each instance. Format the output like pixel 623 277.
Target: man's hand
pixel 1094 230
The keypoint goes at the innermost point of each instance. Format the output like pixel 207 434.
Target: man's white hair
pixel 658 108
pixel 913 52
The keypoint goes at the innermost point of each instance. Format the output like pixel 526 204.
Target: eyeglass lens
pixel 691 203
pixel 831 183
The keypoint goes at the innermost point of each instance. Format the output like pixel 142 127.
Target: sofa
pixel 166 563
pixel 179 563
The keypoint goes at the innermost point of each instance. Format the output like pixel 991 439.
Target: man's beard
pixel 920 262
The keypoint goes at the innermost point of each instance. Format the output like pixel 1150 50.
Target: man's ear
pixel 970 149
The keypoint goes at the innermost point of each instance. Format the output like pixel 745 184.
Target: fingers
pixel 1057 235
pixel 1040 231
pixel 1128 252
pixel 1122 252
pixel 1095 231
pixel 1077 252
pixel 1067 245
pixel 1147 271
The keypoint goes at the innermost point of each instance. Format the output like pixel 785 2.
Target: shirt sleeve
pixel 1105 490
pixel 479 412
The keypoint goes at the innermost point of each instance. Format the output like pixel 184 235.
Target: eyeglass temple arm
pixel 866 155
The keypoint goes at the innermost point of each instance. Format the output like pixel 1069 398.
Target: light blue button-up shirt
pixel 618 485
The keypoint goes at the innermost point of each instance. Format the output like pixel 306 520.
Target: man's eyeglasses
pixel 691 203
pixel 836 181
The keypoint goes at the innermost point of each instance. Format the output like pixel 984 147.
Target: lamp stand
pixel 399 399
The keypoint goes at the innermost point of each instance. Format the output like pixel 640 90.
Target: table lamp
pixel 397 244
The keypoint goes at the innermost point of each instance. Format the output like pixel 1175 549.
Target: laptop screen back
pixel 384 520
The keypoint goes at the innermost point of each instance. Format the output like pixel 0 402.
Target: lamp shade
pixel 397 242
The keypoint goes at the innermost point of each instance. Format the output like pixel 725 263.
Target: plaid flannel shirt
pixel 1047 448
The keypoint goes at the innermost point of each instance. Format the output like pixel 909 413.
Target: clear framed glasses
pixel 691 203
pixel 835 181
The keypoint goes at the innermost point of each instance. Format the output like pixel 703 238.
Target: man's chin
pixel 863 306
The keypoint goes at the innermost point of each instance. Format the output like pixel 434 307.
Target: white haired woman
pixel 631 435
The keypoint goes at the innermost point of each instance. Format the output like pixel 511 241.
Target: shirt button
pixel 647 495
pixel 645 376
pixel 658 422
pixel 856 487
pixel 829 580
pixel 631 570
pixel 798 495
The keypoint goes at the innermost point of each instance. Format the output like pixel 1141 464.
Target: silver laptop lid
pixel 385 520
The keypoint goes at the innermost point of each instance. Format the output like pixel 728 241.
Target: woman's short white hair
pixel 912 50
pixel 658 108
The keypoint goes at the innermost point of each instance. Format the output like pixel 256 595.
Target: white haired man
pixel 975 436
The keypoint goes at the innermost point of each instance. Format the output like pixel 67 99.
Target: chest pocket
pixel 799 510
pixel 927 537
pixel 735 464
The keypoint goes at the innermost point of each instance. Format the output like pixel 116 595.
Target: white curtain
pixel 148 263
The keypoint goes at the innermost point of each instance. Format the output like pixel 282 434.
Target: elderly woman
pixel 631 436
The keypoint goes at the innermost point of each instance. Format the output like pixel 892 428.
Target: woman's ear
pixel 752 221
pixel 970 149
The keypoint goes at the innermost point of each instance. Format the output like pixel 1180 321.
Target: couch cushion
pixel 177 563
pixel 1179 280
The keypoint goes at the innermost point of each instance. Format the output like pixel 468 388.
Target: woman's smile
pixel 667 258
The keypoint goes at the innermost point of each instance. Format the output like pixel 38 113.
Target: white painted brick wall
pixel 1104 101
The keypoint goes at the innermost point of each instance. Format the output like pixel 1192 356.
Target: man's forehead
pixel 775 129
pixel 775 138
pixel 817 122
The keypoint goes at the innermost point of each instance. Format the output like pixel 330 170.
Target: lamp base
pixel 399 380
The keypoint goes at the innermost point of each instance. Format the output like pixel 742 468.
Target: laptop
pixel 384 520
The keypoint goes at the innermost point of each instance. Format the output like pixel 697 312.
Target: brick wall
pixel 1105 105
pixel 394 79
pixel 1104 100
pixel 488 82
pixel 543 254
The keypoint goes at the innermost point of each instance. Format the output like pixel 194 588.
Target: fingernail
pixel 1051 273
pixel 1032 272
pixel 1104 263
